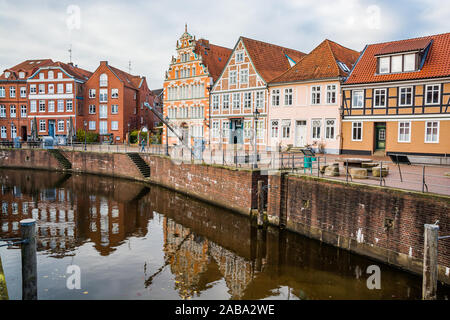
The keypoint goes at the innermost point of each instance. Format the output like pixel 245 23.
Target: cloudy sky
pixel 145 32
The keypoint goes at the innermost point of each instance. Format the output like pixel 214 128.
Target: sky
pixel 145 32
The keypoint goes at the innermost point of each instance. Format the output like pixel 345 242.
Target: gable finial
pixel 185 27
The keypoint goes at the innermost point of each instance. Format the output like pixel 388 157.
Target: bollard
pixel 430 266
pixel 29 262
pixel 260 204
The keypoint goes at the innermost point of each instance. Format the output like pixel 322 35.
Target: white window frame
pixel 388 70
pixel 375 97
pixel 232 79
pixel 437 134
pixel 114 93
pixel 22 113
pixel 275 97
pixel 51 106
pixel 114 109
pixel 42 103
pixel 58 126
pixel 33 106
pixel 69 103
pixel 426 94
pixel 215 104
pixel 32 89
pixel 60 88
pixel 288 96
pixel 286 129
pixel 244 76
pixel 92 125
pixel 103 80
pixel 2 92
pixel 402 137
pixel 226 101
pixel 3 132
pixel 247 98
pixel 103 95
pixel 353 128
pixel 314 135
pixel 331 93
pixel 259 99
pixel 329 126
pixel 274 128
pixel 69 88
pixel 12 111
pixel 40 125
pixel 60 105
pixel 315 95
pixel 400 96
pixel 12 92
pixel 23 92
pixel 236 102
pixel 92 109
pixel 92 93
pixel 239 56
pixel 114 125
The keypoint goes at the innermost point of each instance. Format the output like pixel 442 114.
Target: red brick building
pixel 114 103
pixel 56 97
pixel 14 99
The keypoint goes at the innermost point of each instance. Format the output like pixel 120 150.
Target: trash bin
pixel 17 144
pixel 307 163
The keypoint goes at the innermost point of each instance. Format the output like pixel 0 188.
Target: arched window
pixel 103 80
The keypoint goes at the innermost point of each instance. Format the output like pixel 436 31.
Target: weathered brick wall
pixel 356 217
pixel 28 159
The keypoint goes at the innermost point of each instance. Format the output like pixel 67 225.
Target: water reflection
pixel 136 241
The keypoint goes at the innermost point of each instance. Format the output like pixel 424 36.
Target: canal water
pixel 134 241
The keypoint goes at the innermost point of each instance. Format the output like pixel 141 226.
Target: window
pixel 384 65
pixel 193 72
pixel 92 109
pixel 42 88
pixel 23 111
pixel 12 92
pixel 397 64
pixel 215 105
pixel 32 105
pixel 432 131
pixel 13 131
pixel 103 95
pixel 41 75
pixel 379 97
pixel 275 97
pixel 247 99
pixel 103 127
pixel 405 96
pixel 32 89
pixel 286 128
pixel 103 80
pixel 288 97
pixel 409 62
pixel 60 75
pixel 42 125
pixel 69 88
pixel 60 105
pixel 60 87
pixel 432 93
pixel 51 106
pixel 259 126
pixel 215 129
pixel 236 100
pixel 176 74
pixel 2 92
pixel 3 132
pixel 259 101
pixel 2 111
pixel 69 105
pixel 316 126
pixel 247 129
pixel 12 111
pixel 239 57
pixel 274 129
pixel 23 92
pixel 21 75
pixel 92 93
pixel 244 76
pixel 60 125
pixel 331 93
pixel 114 93
pixel 315 95
pixel 114 109
pixel 51 88
pixel 226 129
pixel 50 75
pixel 114 125
pixel 226 102
pixel 91 125
pixel 103 111
pixel 232 77
pixel 41 105
pixel 404 131
pixel 356 131
pixel 330 128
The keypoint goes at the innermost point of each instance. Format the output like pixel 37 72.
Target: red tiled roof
pixel 437 63
pixel 321 63
pixel 404 46
pixel 73 70
pixel 128 80
pixel 214 57
pixel 270 60
pixel 27 66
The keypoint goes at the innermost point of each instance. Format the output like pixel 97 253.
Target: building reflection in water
pixel 202 244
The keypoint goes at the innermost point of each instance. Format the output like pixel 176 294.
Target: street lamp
pixel 211 82
pixel 167 136
pixel 85 133
pixel 128 134
pixel 256 114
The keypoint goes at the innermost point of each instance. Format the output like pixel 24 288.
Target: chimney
pixel 104 63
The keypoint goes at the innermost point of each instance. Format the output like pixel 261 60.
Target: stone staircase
pixel 142 166
pixel 65 164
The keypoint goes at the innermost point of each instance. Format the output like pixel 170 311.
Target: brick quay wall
pixel 381 223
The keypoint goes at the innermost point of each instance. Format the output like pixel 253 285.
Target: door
pixel 380 136
pixel 300 133
pixel 24 133
pixel 236 131
pixel 51 128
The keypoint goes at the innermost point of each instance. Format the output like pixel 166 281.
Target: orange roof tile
pixel 213 56
pixel 404 46
pixel 73 70
pixel 27 66
pixel 321 63
pixel 437 63
pixel 129 80
pixel 270 60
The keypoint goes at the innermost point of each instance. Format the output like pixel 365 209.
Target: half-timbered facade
pixel 186 87
pixel 239 96
pixel 304 108
pixel 14 99
pixel 397 99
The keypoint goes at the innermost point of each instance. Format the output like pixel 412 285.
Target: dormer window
pixel 397 63
pixel 7 74
pixel 21 75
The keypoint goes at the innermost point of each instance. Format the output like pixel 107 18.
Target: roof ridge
pixel 271 44
pixel 333 55
pixel 416 38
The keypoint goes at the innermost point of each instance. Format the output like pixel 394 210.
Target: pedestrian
pixel 142 145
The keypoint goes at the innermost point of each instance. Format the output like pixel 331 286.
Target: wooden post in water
pixel 29 262
pixel 260 204
pixel 430 266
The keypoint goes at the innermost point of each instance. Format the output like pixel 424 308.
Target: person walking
pixel 142 145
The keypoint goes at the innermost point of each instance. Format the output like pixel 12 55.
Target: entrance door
pixel 300 133
pixel 236 131
pixel 380 136
pixel 51 128
pixel 23 133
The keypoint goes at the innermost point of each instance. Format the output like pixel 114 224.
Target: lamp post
pixel 256 114
pixel 167 136
pixel 85 134
pixel 128 140
pixel 209 111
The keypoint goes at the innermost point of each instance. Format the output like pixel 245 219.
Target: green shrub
pixel 90 137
